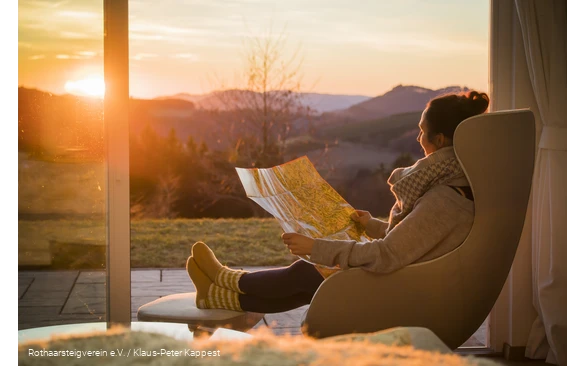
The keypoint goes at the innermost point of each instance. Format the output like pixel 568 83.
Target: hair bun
pixel 478 101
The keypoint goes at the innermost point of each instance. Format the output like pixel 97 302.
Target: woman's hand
pixel 361 216
pixel 298 244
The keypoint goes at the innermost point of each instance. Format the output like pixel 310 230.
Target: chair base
pixel 180 308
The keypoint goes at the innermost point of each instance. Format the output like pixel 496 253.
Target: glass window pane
pixel 219 85
pixel 61 171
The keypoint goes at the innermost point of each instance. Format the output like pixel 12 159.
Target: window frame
pixel 116 108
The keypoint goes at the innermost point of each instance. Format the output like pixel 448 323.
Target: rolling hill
pixel 221 100
pixel 401 99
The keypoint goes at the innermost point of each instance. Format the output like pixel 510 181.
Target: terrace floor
pixel 48 298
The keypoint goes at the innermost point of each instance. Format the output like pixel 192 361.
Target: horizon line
pixel 170 96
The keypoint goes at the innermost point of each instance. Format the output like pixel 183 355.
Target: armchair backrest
pixel 497 152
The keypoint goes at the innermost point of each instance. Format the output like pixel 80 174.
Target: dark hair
pixel 446 112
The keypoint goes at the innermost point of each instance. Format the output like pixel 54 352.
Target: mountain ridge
pixel 400 99
pixel 347 107
pixel 318 102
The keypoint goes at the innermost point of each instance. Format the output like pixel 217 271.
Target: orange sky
pixel 348 47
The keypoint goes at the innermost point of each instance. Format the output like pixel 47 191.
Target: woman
pixel 432 216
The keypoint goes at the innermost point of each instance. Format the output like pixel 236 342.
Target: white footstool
pixel 180 308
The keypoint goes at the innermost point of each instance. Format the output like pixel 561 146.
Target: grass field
pixel 60 188
pixel 162 243
pixel 62 218
pixel 62 224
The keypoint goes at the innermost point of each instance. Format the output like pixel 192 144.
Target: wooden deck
pixel 64 297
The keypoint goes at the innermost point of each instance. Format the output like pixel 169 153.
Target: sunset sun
pixel 92 87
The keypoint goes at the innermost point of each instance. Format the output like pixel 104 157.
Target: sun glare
pixel 91 87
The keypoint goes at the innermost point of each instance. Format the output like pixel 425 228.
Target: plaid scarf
pixel 409 184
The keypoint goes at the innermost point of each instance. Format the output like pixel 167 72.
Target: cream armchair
pixel 451 295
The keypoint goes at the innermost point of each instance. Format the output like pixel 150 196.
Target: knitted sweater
pixel 439 222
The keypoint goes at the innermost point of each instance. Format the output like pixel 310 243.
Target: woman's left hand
pixel 298 244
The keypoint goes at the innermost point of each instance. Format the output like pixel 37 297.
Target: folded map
pixel 302 202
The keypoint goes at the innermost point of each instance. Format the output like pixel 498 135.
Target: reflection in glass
pixel 61 171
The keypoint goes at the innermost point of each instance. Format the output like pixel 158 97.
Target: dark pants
pixel 280 289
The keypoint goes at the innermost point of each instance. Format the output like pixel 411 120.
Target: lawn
pixel 158 243
pixel 62 225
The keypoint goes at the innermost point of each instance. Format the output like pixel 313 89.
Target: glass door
pixel 61 164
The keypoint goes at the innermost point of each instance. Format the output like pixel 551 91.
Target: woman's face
pixel 423 135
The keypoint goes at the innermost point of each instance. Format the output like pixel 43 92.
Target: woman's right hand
pixel 361 216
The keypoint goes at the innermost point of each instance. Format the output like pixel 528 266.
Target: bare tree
pixel 255 115
pixel 265 107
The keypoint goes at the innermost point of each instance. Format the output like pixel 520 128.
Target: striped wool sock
pixel 222 276
pixel 220 298
pixel 229 278
pixel 200 280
